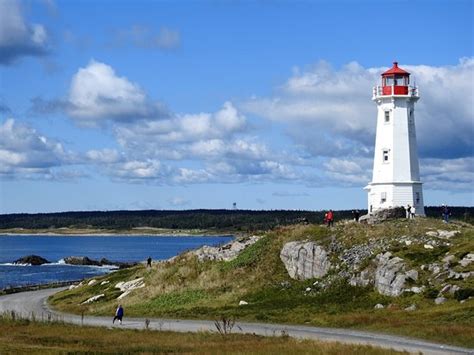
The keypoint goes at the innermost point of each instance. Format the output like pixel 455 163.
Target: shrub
pixel 464 293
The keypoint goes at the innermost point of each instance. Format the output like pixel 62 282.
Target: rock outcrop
pixel 390 276
pixel 305 260
pixel 80 260
pixel 129 286
pixel 31 260
pixel 93 299
pixel 226 252
pixel 382 215
pixel 84 260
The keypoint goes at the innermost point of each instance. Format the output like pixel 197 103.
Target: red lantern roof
pixel 395 70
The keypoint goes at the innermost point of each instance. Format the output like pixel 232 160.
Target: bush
pixel 464 293
pixel 431 293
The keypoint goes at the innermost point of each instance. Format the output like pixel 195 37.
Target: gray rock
pixel 31 260
pixel 93 299
pixel 379 306
pixel 412 274
pixel 467 260
pixel 446 234
pixel 440 300
pixel 385 214
pixel 80 260
pixel 411 308
pixel 448 259
pixel 363 279
pixel 305 260
pixel 416 289
pixel 390 275
pixel 227 252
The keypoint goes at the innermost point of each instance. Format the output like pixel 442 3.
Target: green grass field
pixel 187 288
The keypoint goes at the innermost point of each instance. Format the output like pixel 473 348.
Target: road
pixel 35 302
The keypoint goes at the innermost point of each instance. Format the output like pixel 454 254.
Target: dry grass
pixel 23 337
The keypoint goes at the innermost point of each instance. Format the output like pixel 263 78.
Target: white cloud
pixel 97 93
pixel 17 37
pixel 335 106
pixel 329 115
pixel 355 172
pixel 448 174
pixel 107 156
pixel 26 153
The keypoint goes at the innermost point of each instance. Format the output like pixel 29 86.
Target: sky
pixel 201 104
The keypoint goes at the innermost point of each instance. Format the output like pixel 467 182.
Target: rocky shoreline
pixel 73 260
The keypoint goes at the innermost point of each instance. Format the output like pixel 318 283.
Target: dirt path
pixel 34 302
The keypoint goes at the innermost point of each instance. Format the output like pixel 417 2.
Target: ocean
pixel 114 248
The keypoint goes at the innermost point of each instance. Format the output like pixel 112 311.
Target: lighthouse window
pixel 417 195
pixel 387 116
pixel 399 81
pixel 383 197
pixel 385 155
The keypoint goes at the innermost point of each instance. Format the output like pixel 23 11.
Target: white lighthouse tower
pixel 396 175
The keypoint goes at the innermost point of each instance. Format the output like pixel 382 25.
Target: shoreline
pixel 35 287
pixel 127 233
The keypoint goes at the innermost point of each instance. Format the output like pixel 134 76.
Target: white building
pixel 396 176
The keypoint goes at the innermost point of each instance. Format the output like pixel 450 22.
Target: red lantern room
pixel 395 81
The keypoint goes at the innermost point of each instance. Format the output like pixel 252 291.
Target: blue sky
pixel 199 104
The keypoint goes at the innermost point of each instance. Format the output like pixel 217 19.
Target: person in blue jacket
pixel 118 314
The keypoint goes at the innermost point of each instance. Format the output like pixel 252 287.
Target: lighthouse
pixel 396 175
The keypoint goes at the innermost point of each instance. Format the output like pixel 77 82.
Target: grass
pixel 22 336
pixel 188 288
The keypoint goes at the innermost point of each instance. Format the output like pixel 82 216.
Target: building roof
pixel 395 70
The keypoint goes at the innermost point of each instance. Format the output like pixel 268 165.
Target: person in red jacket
pixel 330 218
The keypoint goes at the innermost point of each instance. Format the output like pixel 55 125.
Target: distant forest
pixel 219 220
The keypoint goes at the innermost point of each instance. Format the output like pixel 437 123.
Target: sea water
pixel 114 248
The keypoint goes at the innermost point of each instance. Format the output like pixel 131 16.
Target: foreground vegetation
pixel 26 337
pixel 188 288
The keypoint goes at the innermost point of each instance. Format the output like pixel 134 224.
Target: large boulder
pixel 31 260
pixel 384 214
pixel 305 260
pixel 390 276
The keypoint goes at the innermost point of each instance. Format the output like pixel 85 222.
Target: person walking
pixel 446 213
pixel 330 218
pixel 118 314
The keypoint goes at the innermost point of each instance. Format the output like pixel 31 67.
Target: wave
pixel 62 263
pixel 13 264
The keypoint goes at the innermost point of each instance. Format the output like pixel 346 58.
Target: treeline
pixel 238 220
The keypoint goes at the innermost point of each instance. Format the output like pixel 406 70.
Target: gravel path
pixel 26 303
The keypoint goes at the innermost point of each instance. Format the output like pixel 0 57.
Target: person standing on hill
pixel 118 314
pixel 330 218
pixel 446 213
pixel 148 262
pixel 412 212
